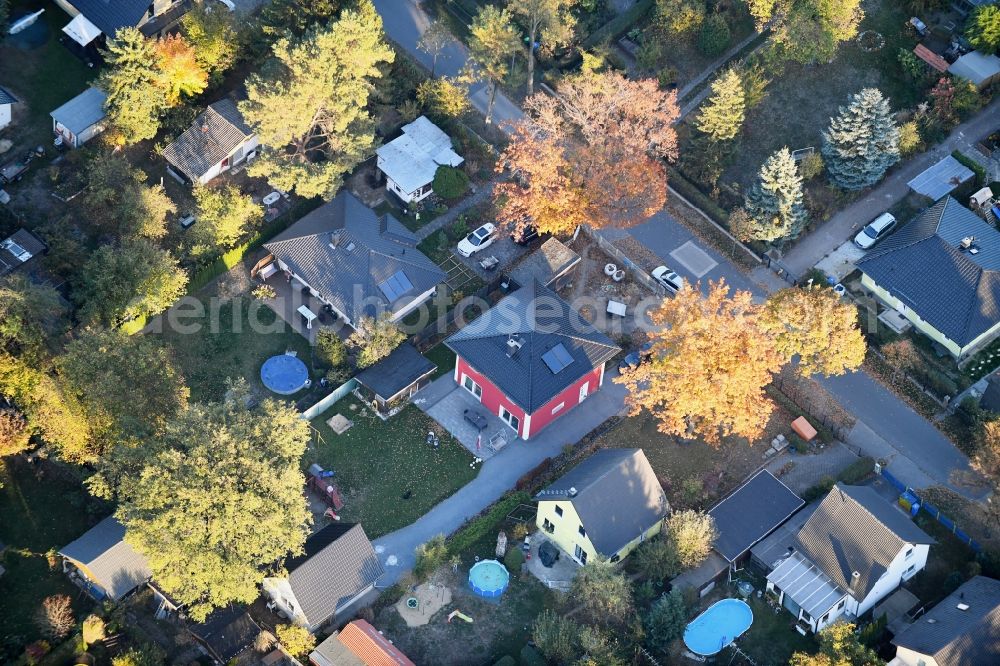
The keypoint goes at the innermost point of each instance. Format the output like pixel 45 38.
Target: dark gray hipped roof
pixel 227 632
pixel 82 111
pixel 617 497
pixel 6 97
pixel 751 512
pixel 396 371
pixel 339 562
pixel 545 264
pixel 114 564
pixel 211 138
pixel 991 396
pixel 856 530
pixel 19 248
pixel 953 290
pixel 541 321
pixel 110 15
pixel 956 637
pixel 367 250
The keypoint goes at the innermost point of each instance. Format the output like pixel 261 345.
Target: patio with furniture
pixel 468 421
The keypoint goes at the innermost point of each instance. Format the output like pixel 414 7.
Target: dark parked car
pixel 525 235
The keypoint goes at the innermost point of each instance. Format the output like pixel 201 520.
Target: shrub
pixel 811 166
pixel 519 531
pixel 55 616
pixel 692 534
pixel 972 164
pixel 449 182
pixel 93 629
pixel 680 16
pixel 665 620
pixel 459 228
pixel 430 556
pixel 263 292
pixel 330 349
pixel 556 637
pixel 909 138
pixel 714 36
pixel 819 490
pixel 486 522
pixel 297 641
pixel 857 471
pixel 513 560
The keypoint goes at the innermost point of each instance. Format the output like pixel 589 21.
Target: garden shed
pixel 388 385
pixel 552 265
pixel 81 118
pixel 980 68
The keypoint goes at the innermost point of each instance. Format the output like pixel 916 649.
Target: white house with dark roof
pixel 218 140
pixel 80 119
pixel 6 102
pixel 962 630
pixel 103 564
pixel 338 567
pixel 358 263
pixel 607 505
pixel 942 272
pixel 530 359
pixel 410 161
pixel 853 551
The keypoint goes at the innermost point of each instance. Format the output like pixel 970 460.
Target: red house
pixel 531 358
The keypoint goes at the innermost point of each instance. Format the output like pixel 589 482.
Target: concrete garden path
pixel 497 475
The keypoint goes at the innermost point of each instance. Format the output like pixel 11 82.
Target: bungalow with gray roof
pixel 962 630
pixel 80 119
pixel 356 262
pixel 607 505
pixel 103 564
pixel 411 160
pixel 854 550
pixel 942 272
pixel 218 140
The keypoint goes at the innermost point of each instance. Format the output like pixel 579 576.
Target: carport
pixel 940 179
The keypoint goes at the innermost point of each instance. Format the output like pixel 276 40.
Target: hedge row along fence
pixel 619 25
pixel 229 260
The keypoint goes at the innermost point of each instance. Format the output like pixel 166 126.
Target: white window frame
pixel 511 416
pixel 475 386
pixel 558 408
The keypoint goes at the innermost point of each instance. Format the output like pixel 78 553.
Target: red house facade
pixel 530 359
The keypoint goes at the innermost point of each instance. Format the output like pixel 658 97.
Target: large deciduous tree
pixel 375 338
pixel 309 105
pixel 708 368
pixel 809 31
pixel 774 201
pixel 816 325
pixel 435 39
pixel 983 28
pixel 219 503
pixel 14 434
pixel 722 116
pixel 603 593
pixel 119 203
pixel 136 95
pixel 443 98
pixel 665 620
pixel 862 141
pixel 595 153
pixel 30 315
pixel 838 646
pixel 181 73
pixel 104 368
pixel 215 37
pixel 494 41
pixel 225 215
pixel 692 534
pixel 128 281
pixel 281 18
pixel 547 20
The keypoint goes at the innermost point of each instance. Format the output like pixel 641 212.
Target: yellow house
pixel 942 272
pixel 607 505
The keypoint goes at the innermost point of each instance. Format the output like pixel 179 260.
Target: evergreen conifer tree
pixel 862 141
pixel 722 117
pixel 774 201
pixel 134 86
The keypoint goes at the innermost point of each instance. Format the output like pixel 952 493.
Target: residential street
pixel 811 249
pixel 405 21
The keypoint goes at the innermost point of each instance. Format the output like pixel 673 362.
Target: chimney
pixel 514 343
pixel 966 242
pixel 204 128
pixel 572 492
pixel 855 578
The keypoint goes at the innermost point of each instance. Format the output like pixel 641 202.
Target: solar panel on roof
pixel 557 358
pixel 395 286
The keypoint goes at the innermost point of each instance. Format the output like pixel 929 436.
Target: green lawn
pixel 437 246
pixel 37 513
pixel 42 78
pixel 230 348
pixel 443 358
pixel 772 639
pixel 389 477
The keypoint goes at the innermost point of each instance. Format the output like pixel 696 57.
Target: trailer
pixel 13 171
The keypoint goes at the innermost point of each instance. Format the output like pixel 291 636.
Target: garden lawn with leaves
pixel 206 358
pixel 39 513
pixel 386 472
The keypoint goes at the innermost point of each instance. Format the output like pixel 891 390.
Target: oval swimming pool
pixel 717 627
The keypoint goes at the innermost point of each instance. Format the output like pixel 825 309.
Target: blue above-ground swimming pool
pixel 284 374
pixel 488 578
pixel 717 627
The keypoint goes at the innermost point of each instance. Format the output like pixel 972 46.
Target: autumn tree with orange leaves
pixel 713 356
pixel 182 75
pixel 594 154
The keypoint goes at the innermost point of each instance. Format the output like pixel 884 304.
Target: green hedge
pixel 857 471
pixel 976 167
pixel 619 25
pixel 690 191
pixel 485 523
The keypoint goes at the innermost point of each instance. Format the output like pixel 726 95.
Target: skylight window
pixel 394 287
pixel 557 358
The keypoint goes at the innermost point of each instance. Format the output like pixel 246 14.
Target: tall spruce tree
pixel 774 201
pixel 722 117
pixel 862 142
pixel 134 86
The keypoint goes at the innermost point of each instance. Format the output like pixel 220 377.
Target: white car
pixel 670 280
pixel 480 239
pixel 875 231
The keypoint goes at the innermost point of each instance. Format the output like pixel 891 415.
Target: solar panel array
pixel 395 286
pixel 557 358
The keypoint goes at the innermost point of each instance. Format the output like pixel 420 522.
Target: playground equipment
pixel 460 615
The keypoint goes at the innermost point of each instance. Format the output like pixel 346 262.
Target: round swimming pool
pixel 284 374
pixel 717 627
pixel 488 578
